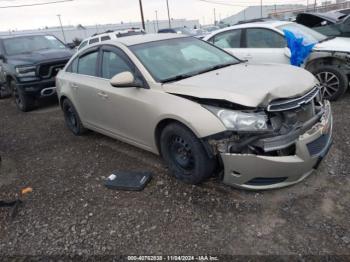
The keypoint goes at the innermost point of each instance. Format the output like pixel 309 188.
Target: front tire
pixel 24 102
pixel 185 155
pixel 72 118
pixel 333 80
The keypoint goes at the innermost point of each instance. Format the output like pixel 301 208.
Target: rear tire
pixel 72 118
pixel 24 102
pixel 185 155
pixel 333 80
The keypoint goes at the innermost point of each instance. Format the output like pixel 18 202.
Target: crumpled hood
pixel 340 44
pixel 246 84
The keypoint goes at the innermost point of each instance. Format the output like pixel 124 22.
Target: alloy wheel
pixel 330 84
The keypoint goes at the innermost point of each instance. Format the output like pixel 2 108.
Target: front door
pixel 124 109
pixel 265 46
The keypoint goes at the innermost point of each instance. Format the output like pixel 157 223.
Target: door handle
pixel 249 56
pixel 102 94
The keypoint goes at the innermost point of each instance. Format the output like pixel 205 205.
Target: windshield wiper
pixel 177 78
pixel 184 76
pixel 216 67
pixel 327 39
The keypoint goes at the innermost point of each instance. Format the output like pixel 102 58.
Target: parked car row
pixel 256 125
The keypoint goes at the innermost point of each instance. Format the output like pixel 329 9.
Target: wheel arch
pixel 328 60
pixel 62 98
pixel 167 121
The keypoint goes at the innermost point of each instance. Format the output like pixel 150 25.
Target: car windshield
pixel 309 35
pixel 28 44
pixel 179 58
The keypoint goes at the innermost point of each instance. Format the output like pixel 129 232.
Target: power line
pixel 35 4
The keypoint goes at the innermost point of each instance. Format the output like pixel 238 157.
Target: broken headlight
pixel 240 121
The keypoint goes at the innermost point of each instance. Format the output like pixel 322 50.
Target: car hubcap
pixel 330 83
pixel 181 153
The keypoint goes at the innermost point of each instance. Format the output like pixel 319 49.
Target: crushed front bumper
pixel 258 172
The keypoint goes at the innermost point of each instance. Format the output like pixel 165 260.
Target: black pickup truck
pixel 28 67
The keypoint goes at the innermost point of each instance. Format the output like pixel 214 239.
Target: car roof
pixel 140 39
pixel 267 24
pixel 114 34
pixel 264 24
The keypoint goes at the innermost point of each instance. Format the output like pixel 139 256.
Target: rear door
pixel 82 83
pixel 264 45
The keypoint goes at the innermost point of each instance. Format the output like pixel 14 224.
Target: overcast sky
pixel 90 12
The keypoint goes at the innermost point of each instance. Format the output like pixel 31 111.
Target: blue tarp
pixel 299 48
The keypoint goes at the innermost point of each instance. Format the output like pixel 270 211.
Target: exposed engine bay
pixel 287 120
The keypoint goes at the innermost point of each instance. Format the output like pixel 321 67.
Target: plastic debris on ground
pixel 130 181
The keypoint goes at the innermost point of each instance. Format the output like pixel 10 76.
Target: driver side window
pixel 113 64
pixel 229 39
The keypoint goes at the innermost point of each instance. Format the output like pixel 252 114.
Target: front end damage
pixel 299 136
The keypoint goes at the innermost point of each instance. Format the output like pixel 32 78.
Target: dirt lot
pixel 71 212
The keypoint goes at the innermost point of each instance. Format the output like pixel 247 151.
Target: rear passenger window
pixel 264 38
pixel 113 64
pixel 229 39
pixel 88 64
pixel 105 38
pixel 94 40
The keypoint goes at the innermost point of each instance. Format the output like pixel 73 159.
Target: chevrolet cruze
pixel 203 110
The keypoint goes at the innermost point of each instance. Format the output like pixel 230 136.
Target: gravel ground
pixel 70 212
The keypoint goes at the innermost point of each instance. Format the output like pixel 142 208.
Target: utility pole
pixel 167 5
pixel 307 5
pixel 261 8
pixel 142 18
pixel 157 20
pixel 64 36
pixel 214 16
pixel 315 5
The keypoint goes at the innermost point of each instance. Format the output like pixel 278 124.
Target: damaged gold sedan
pixel 203 110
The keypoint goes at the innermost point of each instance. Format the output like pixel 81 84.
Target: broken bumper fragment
pixel 257 172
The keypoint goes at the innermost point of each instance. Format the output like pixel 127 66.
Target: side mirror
pixel 70 45
pixel 124 79
pixel 287 52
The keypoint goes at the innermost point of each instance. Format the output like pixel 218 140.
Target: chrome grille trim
pixel 288 104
